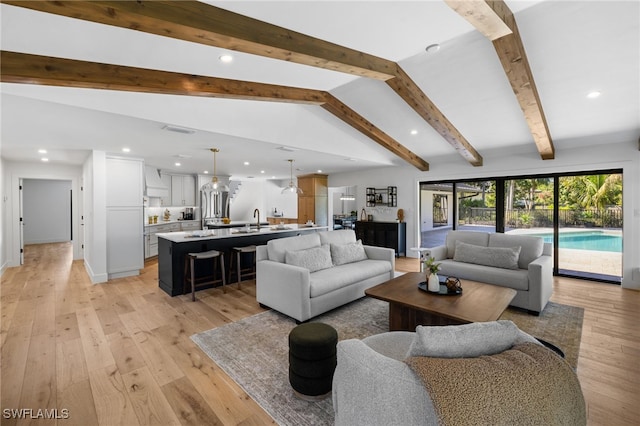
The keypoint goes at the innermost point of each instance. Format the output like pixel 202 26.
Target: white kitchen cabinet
pixel 125 180
pixel 166 180
pixel 124 202
pixel 124 241
pixel 192 225
pixel 151 239
pixel 183 190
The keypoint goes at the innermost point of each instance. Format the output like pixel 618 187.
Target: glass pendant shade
pixel 214 186
pixel 292 188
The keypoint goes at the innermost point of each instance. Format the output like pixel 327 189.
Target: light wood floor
pixel 119 353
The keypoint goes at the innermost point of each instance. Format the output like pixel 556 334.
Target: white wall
pixel 264 195
pixel 610 154
pixel 285 203
pixel 46 211
pixel 250 197
pixel 342 207
pixel 4 224
pixel 13 172
pixel 95 216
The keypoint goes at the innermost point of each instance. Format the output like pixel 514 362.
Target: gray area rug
pixel 254 351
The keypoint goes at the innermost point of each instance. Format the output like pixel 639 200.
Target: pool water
pixel 598 241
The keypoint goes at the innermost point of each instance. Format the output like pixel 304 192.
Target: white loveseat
pixel 521 262
pixel 307 275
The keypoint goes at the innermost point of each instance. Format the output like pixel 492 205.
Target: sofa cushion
pixel 517 279
pixel 313 259
pixel 328 280
pixel 469 237
pixel 500 257
pixel 531 247
pixel 340 236
pixel 464 341
pixel 347 253
pixel 277 248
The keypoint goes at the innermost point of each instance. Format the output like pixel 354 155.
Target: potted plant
pixel 432 268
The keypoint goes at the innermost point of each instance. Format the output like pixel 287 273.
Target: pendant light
pixel 291 188
pixel 347 196
pixel 214 186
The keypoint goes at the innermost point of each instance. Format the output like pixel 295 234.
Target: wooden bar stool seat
pixel 190 270
pixel 249 271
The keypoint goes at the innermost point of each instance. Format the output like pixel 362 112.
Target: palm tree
pixel 588 191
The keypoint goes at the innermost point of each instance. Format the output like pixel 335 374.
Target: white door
pixel 81 217
pixel 21 224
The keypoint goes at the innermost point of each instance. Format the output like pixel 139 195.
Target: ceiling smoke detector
pixel 432 48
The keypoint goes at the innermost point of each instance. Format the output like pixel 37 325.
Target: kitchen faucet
pixel 256 211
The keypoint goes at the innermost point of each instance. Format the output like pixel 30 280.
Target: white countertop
pixel 212 234
pixel 170 222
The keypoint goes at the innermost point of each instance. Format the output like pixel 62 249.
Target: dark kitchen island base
pixel 174 246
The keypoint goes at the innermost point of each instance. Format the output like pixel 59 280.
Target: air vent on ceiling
pixel 177 129
pixel 287 149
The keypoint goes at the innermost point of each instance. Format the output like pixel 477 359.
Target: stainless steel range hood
pixel 153 184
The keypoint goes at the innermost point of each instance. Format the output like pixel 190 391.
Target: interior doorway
pixel 46 212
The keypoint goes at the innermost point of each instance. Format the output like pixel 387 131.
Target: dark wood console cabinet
pixel 383 234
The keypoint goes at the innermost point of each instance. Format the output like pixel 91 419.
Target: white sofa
pixel 307 275
pixel 521 262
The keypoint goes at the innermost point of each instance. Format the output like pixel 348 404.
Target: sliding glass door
pixel 579 213
pixel 590 226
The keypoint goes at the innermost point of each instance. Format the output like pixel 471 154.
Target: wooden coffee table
pixel 410 306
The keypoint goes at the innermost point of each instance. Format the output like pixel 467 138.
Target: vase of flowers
pixel 432 268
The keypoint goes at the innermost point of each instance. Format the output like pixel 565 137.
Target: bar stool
pixel 249 271
pixel 190 270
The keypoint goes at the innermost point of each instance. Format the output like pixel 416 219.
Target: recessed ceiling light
pixel 594 94
pixel 319 171
pixel 246 163
pixel 206 172
pixel 262 171
pixel 414 132
pixel 178 164
pixel 44 159
pixel 273 177
pixel 226 58
pixel 433 48
pixel 126 150
pixel 42 151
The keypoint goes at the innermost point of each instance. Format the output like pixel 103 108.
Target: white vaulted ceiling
pixel 573 48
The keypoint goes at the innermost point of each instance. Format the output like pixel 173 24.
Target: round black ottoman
pixel 312 359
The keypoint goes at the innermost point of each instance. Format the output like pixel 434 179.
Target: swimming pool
pixel 595 240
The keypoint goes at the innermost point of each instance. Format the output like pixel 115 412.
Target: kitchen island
pixel 173 247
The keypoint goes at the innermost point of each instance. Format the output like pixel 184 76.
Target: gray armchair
pixel 372 385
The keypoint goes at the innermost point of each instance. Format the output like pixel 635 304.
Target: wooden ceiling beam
pixel 481 16
pixel 408 90
pixel 44 70
pixel 205 24
pixel 513 58
pixel 201 23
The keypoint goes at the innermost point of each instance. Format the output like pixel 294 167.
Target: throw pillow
pixel 464 341
pixel 500 257
pixel 313 259
pixel 348 253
